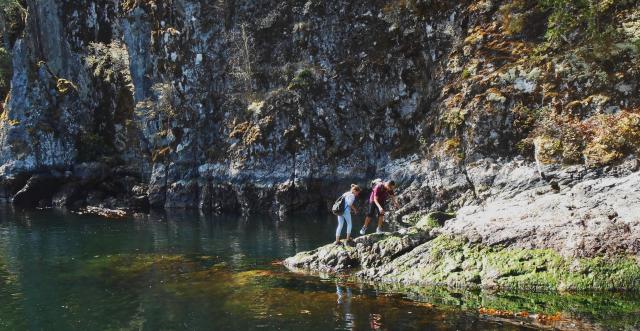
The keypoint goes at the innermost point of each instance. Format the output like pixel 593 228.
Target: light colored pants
pixel 345 217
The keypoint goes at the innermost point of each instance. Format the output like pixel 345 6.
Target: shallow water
pixel 60 271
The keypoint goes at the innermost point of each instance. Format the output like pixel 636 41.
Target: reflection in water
pixel 344 303
pixel 375 321
pixel 60 271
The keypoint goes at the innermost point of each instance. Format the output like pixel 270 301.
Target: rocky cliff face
pixel 262 106
pixel 221 105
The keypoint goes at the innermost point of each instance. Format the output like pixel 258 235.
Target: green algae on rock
pixel 416 257
pixel 452 262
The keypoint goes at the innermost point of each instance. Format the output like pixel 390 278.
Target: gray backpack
pixel 338 206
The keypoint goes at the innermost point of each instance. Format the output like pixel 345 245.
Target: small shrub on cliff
pixel 242 56
pixel 548 149
pixel 614 136
pixel 513 18
pixel 586 19
pixel 5 71
pixel 302 81
pixel 12 20
pixel 597 141
pixel 454 118
pixel 526 118
pixel 453 147
pixel 92 147
pixel 573 143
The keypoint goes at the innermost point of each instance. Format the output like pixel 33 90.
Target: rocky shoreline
pixel 576 230
pixel 419 258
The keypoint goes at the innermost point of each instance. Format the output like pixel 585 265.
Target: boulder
pixel 39 187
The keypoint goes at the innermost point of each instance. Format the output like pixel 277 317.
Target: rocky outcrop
pixel 85 184
pixel 425 259
pixel 574 230
pixel 368 252
pixel 576 211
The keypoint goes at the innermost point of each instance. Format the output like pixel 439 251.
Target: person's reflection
pixel 375 322
pixel 344 300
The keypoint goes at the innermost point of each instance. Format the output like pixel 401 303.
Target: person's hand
pixel 381 211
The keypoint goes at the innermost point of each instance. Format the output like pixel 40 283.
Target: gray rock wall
pixel 203 100
pixel 274 106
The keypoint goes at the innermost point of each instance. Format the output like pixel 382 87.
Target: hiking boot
pixel 379 231
pixel 363 231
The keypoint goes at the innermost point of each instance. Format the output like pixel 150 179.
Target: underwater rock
pixel 103 212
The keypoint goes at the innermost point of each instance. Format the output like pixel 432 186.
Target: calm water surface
pixel 60 271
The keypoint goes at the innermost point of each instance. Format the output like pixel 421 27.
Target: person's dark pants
pixel 373 211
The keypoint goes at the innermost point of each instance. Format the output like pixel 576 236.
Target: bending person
pixel 377 202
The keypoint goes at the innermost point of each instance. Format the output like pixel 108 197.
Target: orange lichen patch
pixel 252 135
pixel 598 140
pixel 544 318
pixel 613 136
pixel 129 5
pixel 496 312
pixel 505 49
pixel 451 146
pixel 476 36
pixel 13 122
pixel 64 86
pixel 394 5
pixel 172 31
pixel 455 100
pixel 549 149
pixel 424 305
pixel 549 318
pixel 448 148
pixel 161 154
pixel 476 6
pixel 239 130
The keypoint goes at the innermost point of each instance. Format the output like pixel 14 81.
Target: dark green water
pixel 60 271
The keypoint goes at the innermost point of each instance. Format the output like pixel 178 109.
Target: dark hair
pixel 392 183
pixel 355 187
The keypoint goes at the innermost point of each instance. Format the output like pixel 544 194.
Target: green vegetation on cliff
pixel 5 71
pixel 11 22
pixel 564 71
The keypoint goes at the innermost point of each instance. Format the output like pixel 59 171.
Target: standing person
pixel 349 199
pixel 377 200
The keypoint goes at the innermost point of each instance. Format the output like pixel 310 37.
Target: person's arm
pixel 395 202
pixel 352 206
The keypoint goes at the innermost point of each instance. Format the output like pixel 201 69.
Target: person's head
pixel 355 189
pixel 390 185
